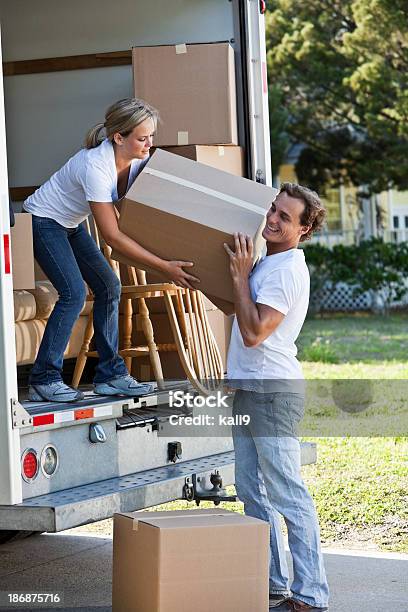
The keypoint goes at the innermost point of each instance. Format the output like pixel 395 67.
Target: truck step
pixel 94 502
pixel 43 415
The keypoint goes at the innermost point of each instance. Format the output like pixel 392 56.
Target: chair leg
pixel 147 328
pixel 82 355
pixel 127 331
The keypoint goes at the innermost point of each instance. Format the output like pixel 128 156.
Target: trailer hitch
pixel 207 487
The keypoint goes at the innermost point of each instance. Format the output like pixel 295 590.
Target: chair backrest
pixel 201 357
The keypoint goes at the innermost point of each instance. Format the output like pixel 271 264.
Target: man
pixel 271 302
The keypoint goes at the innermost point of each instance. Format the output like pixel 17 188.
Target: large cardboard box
pixel 193 87
pixel 180 209
pixel 195 560
pixel 22 252
pixel 226 158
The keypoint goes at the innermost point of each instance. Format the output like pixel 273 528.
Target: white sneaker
pixel 54 392
pixel 123 385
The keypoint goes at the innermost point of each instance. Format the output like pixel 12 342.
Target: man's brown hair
pixel 314 213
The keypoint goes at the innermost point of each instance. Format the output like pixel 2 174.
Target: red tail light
pixel 29 465
pixel 6 244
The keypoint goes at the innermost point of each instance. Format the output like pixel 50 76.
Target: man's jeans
pixel 269 482
pixel 69 256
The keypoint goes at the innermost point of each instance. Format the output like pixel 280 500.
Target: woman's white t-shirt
pixel 282 282
pixel 89 176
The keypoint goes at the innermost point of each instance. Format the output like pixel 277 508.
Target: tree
pixel 342 66
pixel 278 119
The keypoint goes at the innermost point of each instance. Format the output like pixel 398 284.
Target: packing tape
pixel 182 138
pixel 211 192
pixel 221 151
pixel 181 49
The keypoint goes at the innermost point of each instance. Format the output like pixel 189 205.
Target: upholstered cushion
pixel 24 305
pixel 29 334
pixel 45 296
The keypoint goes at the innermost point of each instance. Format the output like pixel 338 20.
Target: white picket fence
pixel 341 298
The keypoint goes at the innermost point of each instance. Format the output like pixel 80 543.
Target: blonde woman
pixel 92 181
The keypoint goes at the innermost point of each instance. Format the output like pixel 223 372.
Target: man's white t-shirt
pixel 89 176
pixel 281 281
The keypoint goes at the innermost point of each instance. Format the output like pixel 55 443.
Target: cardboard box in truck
pixel 190 560
pixel 183 210
pixel 22 252
pixel 193 88
pixel 226 158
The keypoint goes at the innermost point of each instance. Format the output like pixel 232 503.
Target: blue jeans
pixel 269 482
pixel 70 256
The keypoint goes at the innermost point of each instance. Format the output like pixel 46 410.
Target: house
pixel 349 220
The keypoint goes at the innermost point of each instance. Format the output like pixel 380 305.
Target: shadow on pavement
pixel 80 569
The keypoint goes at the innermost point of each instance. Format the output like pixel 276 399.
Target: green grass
pixel 358 340
pixel 360 487
pixel 359 484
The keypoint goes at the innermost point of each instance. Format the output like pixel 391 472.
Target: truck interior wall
pixel 48 114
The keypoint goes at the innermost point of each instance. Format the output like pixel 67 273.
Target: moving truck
pixel 63 64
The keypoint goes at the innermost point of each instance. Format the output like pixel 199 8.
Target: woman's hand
pixel 174 271
pixel 241 261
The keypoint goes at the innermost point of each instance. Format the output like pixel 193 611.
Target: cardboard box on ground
pixel 22 252
pixel 193 87
pixel 183 210
pixel 197 560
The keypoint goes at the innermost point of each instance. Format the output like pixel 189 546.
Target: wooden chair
pixel 193 338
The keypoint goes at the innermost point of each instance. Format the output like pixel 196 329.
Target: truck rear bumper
pixel 98 501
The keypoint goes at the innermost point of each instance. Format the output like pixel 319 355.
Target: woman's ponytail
pixel 93 138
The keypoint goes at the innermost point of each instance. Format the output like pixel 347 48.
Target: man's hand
pixel 241 261
pixel 174 271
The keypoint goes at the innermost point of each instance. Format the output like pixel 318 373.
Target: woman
pixel 92 181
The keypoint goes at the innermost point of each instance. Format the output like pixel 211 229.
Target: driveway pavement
pixel 79 567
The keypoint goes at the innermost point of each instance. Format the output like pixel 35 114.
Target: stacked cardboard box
pixel 229 159
pixel 178 210
pixel 193 87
